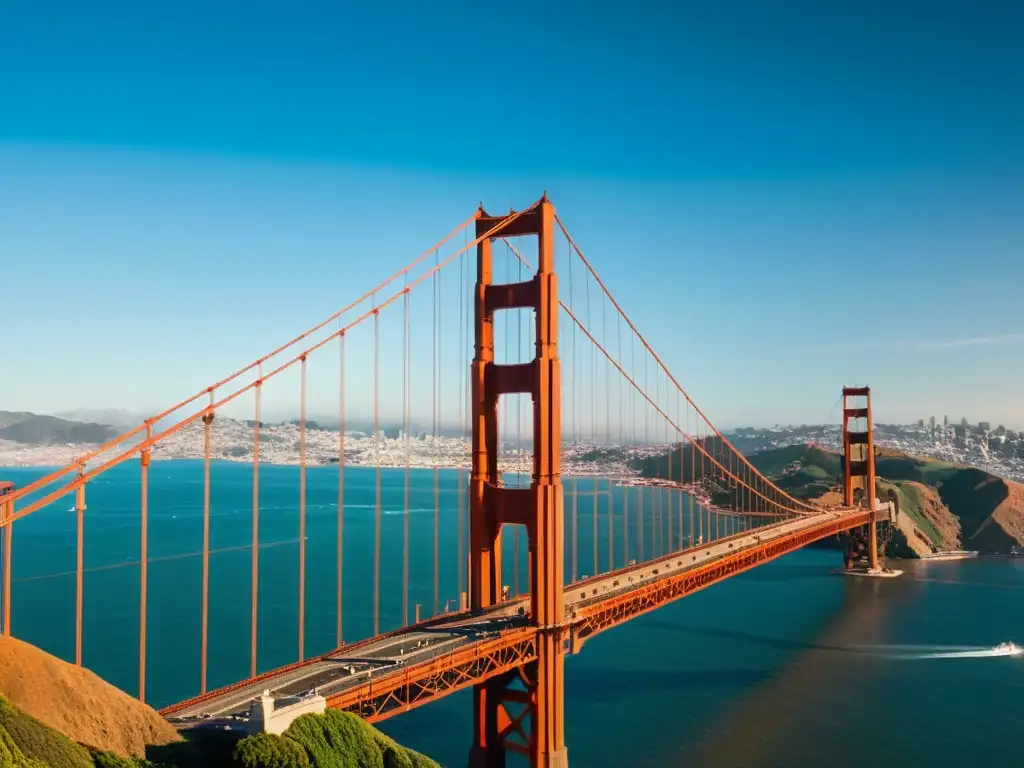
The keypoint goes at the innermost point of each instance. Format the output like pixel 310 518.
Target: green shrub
pixel 11 756
pixel 341 740
pixel 39 741
pixel 336 740
pixel 268 750
pixel 395 755
pixel 103 759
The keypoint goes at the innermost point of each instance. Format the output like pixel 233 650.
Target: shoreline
pixel 628 479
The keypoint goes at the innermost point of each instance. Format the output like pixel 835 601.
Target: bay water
pixel 787 665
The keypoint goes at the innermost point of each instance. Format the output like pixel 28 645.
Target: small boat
pixel 959 554
pixel 1010 649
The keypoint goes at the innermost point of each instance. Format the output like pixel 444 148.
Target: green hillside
pixel 27 743
pixel 947 506
pixel 331 740
pixel 804 471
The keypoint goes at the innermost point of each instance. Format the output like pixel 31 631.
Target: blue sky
pixel 785 199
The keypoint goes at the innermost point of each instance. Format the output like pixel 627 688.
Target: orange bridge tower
pixel 859 460
pixel 522 710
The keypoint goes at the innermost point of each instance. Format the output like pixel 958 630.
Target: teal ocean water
pixel 788 665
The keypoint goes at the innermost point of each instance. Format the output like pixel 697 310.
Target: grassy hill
pixel 25 742
pixel 56 715
pixel 945 506
pixel 77 702
pixel 804 471
pixel 331 740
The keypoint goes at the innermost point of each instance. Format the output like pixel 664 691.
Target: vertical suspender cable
pixel 622 441
pixel 302 509
pixel 463 378
pixel 376 445
pixel 143 560
pixel 340 556
pixel 437 416
pixel 679 444
pixel 8 556
pixel 593 433
pixel 575 433
pixel 406 386
pixel 205 624
pixel 516 530
pixel 79 584
pixel 608 436
pixel 693 475
pixel 254 610
pixel 575 525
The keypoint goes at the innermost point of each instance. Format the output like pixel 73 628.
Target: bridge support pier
pixel 489 722
pixel 548 749
pixel 522 711
pixel 873 545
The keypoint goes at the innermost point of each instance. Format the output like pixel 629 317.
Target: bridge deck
pixel 352 675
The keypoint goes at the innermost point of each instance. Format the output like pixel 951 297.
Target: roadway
pixel 377 659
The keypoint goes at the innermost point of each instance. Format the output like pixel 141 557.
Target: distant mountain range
pixel 36 429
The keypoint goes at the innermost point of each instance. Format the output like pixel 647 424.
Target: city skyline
pixel 166 229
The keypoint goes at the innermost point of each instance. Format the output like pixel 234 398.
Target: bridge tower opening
pixel 522 710
pixel 859 467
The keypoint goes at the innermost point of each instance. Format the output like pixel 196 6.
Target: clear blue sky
pixel 787 196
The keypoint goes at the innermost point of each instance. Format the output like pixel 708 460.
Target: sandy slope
pixel 77 702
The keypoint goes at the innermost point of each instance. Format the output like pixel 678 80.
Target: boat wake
pixel 946 651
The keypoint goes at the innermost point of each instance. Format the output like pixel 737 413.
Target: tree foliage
pixel 341 740
pixel 103 759
pixel 268 750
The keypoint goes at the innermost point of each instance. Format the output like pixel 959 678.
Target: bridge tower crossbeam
pixel 521 711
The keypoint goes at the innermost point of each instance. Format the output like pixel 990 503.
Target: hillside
pixel 804 471
pixel 56 715
pixel 34 429
pixel 945 506
pixel 77 702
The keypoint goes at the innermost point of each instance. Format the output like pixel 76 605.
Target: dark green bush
pixel 268 750
pixel 103 759
pixel 39 741
pixel 11 755
pixel 341 740
pixel 336 740
pixel 394 754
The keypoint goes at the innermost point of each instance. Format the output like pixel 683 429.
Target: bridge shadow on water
pixel 604 684
pixel 770 641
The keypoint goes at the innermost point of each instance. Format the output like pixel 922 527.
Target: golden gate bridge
pixel 550 337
